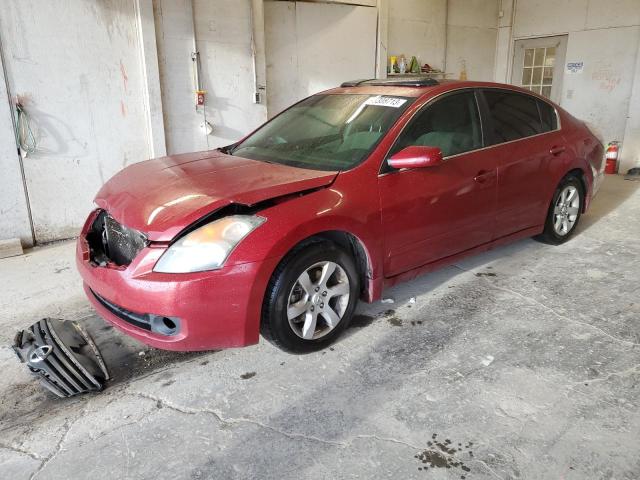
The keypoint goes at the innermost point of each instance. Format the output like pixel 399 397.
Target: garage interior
pixel 521 362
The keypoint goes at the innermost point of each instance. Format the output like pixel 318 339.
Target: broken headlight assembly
pixel 207 247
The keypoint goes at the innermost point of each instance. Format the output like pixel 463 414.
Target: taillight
pixel 612 158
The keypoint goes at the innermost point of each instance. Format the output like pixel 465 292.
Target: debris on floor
pixel 388 300
pixel 63 356
pixel 442 454
pixel 488 360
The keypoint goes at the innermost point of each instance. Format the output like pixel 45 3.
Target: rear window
pixel 514 115
pixel 547 116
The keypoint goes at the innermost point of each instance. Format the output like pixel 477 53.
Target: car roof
pixel 414 86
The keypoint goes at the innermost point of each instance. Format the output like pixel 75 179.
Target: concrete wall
pixel 605 35
pixel 631 146
pixel 14 215
pixel 446 34
pixel 306 48
pixel 223 34
pixel 418 27
pixel 472 30
pixel 78 66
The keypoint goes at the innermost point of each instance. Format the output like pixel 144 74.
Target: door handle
pixel 556 150
pixel 484 175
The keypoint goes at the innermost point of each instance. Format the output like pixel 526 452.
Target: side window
pixel 548 116
pixel 513 115
pixel 451 123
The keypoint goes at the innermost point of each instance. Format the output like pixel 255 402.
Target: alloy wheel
pixel 566 210
pixel 318 300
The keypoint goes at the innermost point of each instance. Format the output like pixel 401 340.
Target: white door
pixel 311 47
pixel 538 65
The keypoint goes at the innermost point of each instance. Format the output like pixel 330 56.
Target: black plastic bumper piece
pixel 63 355
pixel 148 321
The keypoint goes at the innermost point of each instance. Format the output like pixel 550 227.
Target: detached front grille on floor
pixel 63 355
pixel 111 241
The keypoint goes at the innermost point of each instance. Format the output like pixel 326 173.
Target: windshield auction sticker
pixel 393 102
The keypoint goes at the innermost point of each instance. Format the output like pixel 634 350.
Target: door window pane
pixel 538 59
pixel 536 78
pixel 528 57
pixel 537 71
pixel 550 57
pixel 513 115
pixel 452 124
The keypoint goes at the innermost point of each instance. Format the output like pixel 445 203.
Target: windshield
pixel 325 132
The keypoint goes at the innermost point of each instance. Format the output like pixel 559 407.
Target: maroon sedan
pixel 343 194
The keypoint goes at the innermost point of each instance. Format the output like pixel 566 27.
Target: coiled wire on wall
pixel 25 138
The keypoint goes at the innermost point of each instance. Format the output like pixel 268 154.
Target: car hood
pixel 161 197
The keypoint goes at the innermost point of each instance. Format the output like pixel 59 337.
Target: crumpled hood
pixel 163 196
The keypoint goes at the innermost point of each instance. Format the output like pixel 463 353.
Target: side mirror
pixel 416 157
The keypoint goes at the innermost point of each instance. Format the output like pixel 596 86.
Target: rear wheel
pixel 310 298
pixel 564 212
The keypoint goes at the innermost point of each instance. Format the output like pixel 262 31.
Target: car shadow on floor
pixel 404 295
pixel 127 358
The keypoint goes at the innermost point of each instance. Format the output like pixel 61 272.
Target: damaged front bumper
pixel 63 355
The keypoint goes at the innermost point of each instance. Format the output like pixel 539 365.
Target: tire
pixel 292 290
pixel 564 211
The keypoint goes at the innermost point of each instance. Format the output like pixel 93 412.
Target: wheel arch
pixel 580 174
pixel 353 245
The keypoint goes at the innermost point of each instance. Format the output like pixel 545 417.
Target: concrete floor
pixel 523 363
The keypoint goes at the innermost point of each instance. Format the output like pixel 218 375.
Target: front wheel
pixel 564 211
pixel 310 298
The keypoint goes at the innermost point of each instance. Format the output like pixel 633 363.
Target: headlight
pixel 207 247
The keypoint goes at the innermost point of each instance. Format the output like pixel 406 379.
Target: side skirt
pixel 379 284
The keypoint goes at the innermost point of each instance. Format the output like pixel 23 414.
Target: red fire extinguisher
pixel 611 156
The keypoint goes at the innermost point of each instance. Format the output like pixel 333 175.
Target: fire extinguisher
pixel 611 156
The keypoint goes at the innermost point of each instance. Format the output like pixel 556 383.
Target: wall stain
pixel 125 78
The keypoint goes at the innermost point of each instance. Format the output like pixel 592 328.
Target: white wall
pixel 472 29
pixel 223 34
pixel 14 217
pixel 600 94
pixel 78 65
pixel 605 35
pixel 445 34
pixel 311 47
pixel 418 27
pixel 631 146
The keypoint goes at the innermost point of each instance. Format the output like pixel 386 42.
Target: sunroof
pixel 394 82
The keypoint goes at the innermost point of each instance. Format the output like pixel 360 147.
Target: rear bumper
pixel 215 309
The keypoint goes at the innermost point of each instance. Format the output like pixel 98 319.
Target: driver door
pixel 435 212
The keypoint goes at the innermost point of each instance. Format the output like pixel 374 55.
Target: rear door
pixel 431 213
pixel 527 139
